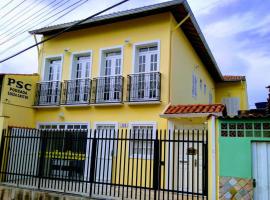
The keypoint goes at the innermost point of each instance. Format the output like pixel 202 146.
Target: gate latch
pixel 254 183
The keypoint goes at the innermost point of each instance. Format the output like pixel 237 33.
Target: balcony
pixel 48 93
pixel 76 92
pixel 107 90
pixel 144 87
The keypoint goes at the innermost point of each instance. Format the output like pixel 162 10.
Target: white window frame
pixel 142 123
pixel 102 53
pixel 78 54
pixel 73 123
pixel 45 64
pixel 210 97
pixel 138 45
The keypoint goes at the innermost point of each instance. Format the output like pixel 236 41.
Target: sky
pixel 237 32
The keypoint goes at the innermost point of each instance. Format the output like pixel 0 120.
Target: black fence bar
pixel 76 92
pixel 134 164
pixel 107 89
pixel 48 93
pixel 144 87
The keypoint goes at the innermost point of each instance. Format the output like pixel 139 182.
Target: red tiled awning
pixel 234 78
pixel 203 109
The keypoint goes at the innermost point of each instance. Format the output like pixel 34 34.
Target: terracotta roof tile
pixel 195 108
pixel 234 78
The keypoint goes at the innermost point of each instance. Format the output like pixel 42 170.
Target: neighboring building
pixel 17 95
pixel 244 154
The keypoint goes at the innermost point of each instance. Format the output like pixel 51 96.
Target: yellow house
pixel 143 69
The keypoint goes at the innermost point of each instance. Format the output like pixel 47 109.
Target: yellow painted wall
pixel 138 30
pixel 233 89
pixel 185 61
pixel 17 99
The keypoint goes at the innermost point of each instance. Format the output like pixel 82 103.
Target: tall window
pixel 141 145
pixel 194 85
pixel 109 84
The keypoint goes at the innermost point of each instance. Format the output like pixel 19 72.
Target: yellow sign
pixel 19 89
pixel 68 155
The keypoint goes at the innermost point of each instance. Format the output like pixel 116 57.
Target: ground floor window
pixel 141 144
pixel 65 150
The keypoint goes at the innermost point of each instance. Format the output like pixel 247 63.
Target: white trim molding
pixel 110 49
pixel 51 57
pixel 144 44
pixel 80 53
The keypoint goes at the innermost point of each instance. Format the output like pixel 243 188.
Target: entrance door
pixel 147 81
pixel 109 86
pixel 79 87
pixel 261 169
pixel 190 166
pixel 106 148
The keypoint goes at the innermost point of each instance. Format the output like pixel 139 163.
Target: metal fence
pixel 138 164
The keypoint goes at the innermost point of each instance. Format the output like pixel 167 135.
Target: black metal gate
pixel 129 164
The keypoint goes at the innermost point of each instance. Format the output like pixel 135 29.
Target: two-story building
pixel 143 69
pixel 125 69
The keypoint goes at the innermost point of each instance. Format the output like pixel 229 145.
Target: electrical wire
pixel 13 19
pixel 6 4
pixel 10 11
pixel 63 31
pixel 31 18
pixel 25 38
pixel 32 27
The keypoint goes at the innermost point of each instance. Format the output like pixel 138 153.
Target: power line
pixel 6 14
pixel 11 20
pixel 63 31
pixel 6 4
pixel 32 27
pixel 32 16
pixel 25 38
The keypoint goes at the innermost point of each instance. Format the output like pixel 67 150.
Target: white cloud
pixel 201 7
pixel 239 23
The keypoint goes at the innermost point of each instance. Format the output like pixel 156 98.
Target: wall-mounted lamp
pixel 61 115
pixel 66 50
pixel 127 41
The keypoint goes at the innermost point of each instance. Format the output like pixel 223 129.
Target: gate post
pixel 93 162
pixel 156 170
pixel 212 158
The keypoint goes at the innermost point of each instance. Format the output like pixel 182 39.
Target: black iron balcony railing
pixel 143 87
pixel 107 90
pixel 76 92
pixel 48 93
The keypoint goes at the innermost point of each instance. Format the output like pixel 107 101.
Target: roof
pixel 201 109
pixel 35 74
pixel 230 78
pixel 179 8
pixel 249 114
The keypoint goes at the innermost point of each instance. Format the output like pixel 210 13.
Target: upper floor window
pixel 194 85
pixel 81 66
pixel 232 105
pixel 201 84
pixel 204 89
pixel 111 62
pixel 147 57
pixel 52 69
